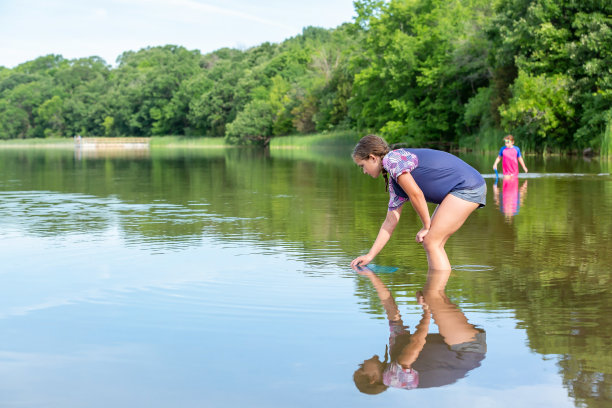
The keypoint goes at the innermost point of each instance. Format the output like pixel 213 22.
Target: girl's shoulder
pixel 400 160
pixel 398 155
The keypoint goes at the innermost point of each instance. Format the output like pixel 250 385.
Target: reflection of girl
pixel 422 360
pixel 421 176
pixel 512 196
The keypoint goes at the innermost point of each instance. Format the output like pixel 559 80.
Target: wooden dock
pixel 111 143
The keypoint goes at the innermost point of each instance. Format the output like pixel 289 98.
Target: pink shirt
pixel 510 157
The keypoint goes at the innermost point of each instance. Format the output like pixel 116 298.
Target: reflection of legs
pixel 451 321
pixel 447 218
pixel 436 280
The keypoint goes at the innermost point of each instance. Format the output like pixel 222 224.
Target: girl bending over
pixel 421 176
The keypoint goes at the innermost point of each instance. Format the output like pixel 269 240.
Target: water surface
pixel 220 278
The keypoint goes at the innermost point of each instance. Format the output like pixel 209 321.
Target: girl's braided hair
pixel 376 145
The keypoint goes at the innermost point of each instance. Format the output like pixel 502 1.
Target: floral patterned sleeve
pixel 398 162
pixel 399 377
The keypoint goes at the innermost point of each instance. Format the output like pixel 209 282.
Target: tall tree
pixel 423 61
pixel 545 39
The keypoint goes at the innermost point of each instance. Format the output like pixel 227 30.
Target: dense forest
pixel 423 72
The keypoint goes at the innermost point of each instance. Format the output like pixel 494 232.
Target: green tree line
pixel 420 72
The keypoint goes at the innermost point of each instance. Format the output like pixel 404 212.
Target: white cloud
pixel 101 13
pixel 186 8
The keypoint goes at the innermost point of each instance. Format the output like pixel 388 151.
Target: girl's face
pixel 372 165
pixel 508 142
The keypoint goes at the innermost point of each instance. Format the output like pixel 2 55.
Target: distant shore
pixel 37 143
pixel 181 142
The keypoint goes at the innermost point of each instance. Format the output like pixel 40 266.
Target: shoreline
pixel 291 142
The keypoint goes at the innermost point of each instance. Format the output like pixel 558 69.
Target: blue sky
pixel 106 28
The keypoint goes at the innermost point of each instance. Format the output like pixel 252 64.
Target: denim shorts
pixel 477 195
pixel 478 345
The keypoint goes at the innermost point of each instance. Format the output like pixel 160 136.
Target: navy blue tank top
pixel 438 173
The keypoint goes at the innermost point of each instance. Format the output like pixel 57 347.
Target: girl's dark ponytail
pixel 386 177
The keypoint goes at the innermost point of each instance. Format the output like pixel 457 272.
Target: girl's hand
pixel 362 260
pixel 421 235
pixel 363 270
pixel 421 300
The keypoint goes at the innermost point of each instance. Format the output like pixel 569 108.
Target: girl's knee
pixel 431 242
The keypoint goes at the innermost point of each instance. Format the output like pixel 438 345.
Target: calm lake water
pixel 221 278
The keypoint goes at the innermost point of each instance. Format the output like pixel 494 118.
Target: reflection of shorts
pixel 478 345
pixel 476 195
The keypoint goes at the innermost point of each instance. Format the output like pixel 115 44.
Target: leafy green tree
pixel 108 125
pixel 413 83
pixel 84 84
pixel 477 109
pixel 332 66
pixel 306 81
pixel 540 110
pixel 561 37
pixel 58 97
pixel 45 65
pixel 14 122
pixel 224 91
pixel 25 90
pixel 28 97
pixel 253 125
pixel 50 115
pixel 142 85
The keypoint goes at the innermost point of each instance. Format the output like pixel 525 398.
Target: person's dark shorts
pixel 478 345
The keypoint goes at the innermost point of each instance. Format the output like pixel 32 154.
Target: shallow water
pixel 220 278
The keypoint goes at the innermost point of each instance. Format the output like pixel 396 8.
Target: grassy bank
pixel 606 143
pixel 485 142
pixel 488 139
pixel 333 139
pixel 61 143
pixel 186 142
pixel 326 140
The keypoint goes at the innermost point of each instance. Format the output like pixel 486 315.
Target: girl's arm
pixel 520 159
pixel 496 162
pixel 417 199
pixel 523 192
pixel 386 298
pixel 412 350
pixel 386 230
pixel 496 194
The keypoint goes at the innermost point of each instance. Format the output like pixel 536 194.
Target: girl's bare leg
pixel 448 218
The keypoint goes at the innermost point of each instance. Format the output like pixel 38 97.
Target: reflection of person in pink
pixel 511 157
pixel 512 196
